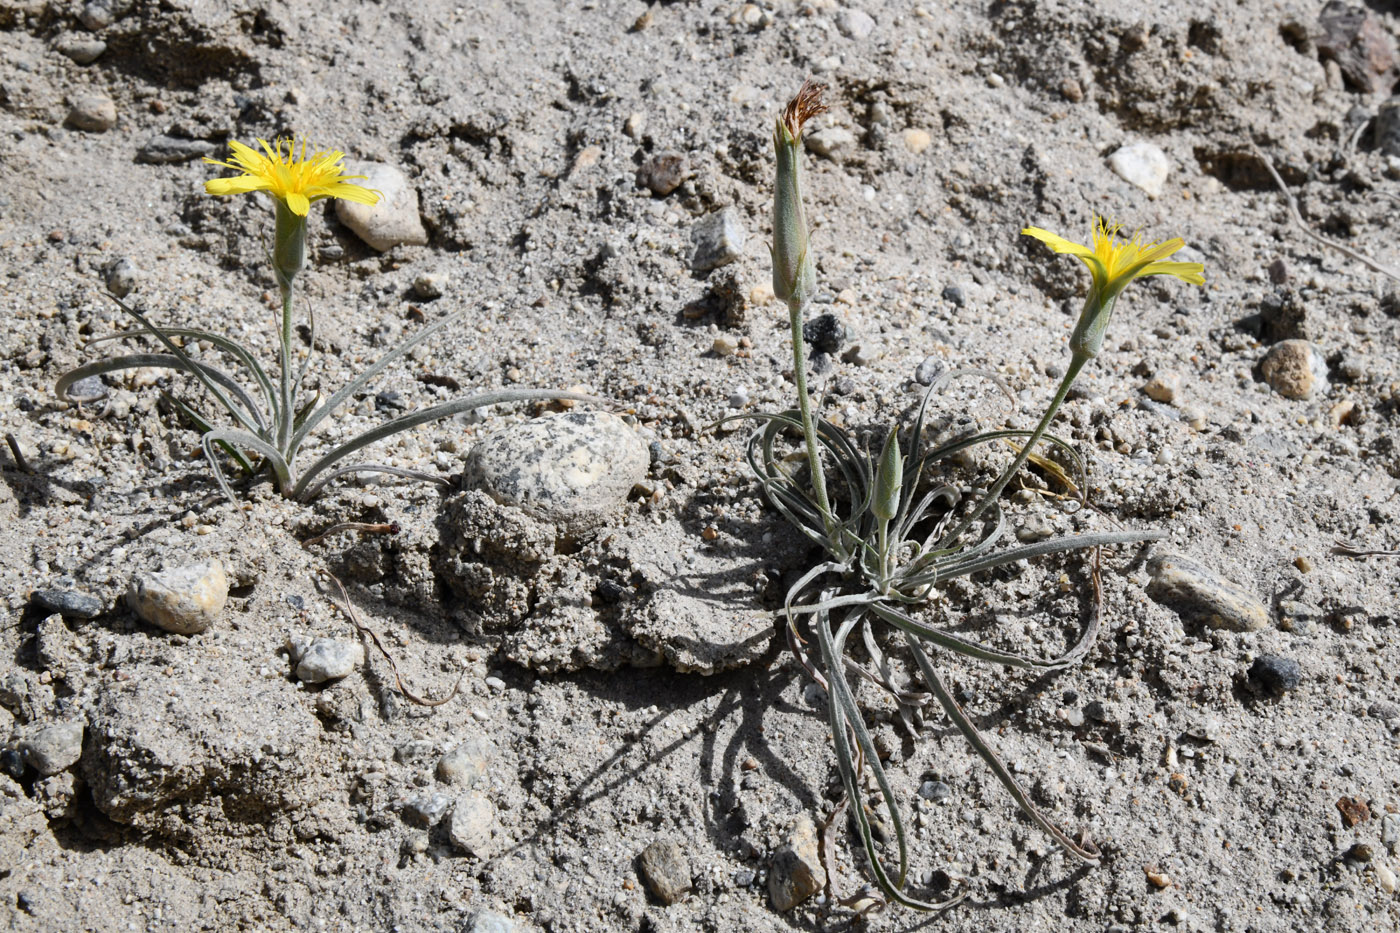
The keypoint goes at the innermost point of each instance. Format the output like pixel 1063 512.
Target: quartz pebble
pixel 718 239
pixel 1164 387
pixel 394 221
pixel 916 140
pixel 573 470
pixel 665 871
pixel 927 372
pixel 184 600
pixel 854 24
pixel 122 276
pixel 488 921
pixel 1142 165
pixel 426 809
pixel 429 285
pixel 93 113
pixel 324 659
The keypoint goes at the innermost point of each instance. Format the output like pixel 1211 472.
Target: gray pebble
pixel 796 873
pixel 70 603
pixel 1275 675
pixel 745 877
pixel 738 398
pixel 184 600
pixel 854 24
pixel 1384 711
pixel 122 276
pixel 663 173
pixel 1390 831
pixel 171 150
pixel 1197 594
pixel 935 790
pixel 831 142
pixel 927 372
pixel 466 763
pixel 955 294
pixel 473 827
pixel 394 221
pixel 718 239
pixel 410 752
pixel 81 50
pixel 54 748
pixel 426 809
pixel 573 470
pixel 488 921
pixel 1387 128
pixel 429 285
pixel 324 659
pixel 97 15
pixel 665 871
pixel 93 113
pixel 1143 165
pixel 495 685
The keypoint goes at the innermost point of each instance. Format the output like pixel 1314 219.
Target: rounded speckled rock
pixel 184 600
pixel 572 470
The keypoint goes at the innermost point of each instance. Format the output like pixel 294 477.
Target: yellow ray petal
pixel 1058 243
pixel 1192 272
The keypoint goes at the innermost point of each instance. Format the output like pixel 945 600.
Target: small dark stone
pixel 90 389
pixel 955 294
pixel 12 763
pixel 390 400
pixel 25 403
pixel 1275 675
pixel 170 150
pixel 843 385
pixel 1278 271
pixel 935 790
pixel 296 602
pixel 927 372
pixel 825 333
pixel 1361 852
pixel 69 603
pixel 656 452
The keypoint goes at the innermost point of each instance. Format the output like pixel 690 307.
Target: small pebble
pixel 54 748
pixel 488 921
pixel 663 173
pixel 738 398
pixel 473 827
pixel 927 372
pixel 495 685
pixel 1275 675
pixel 831 141
pixel 183 600
pixel 916 141
pixel 325 659
pixel 1385 879
pixel 81 50
pixel 122 277
pixel 1164 387
pixel 1196 593
pixel 955 294
pixel 426 809
pixel 635 125
pixel 665 870
pixel 70 603
pixel 718 239
pixel 172 150
pixel 429 285
pixel 93 113
pixel 935 790
pixel 394 220
pixel 1294 369
pixel 725 345
pixel 1143 165
pixel 466 763
pixel 796 873
pixel 97 15
pixel 853 23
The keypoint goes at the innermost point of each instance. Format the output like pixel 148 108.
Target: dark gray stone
pixel 1275 675
pixel 69 603
pixel 171 150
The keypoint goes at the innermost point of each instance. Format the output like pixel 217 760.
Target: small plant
pixel 889 541
pixel 273 419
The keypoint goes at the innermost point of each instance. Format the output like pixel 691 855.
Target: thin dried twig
pixel 1302 224
pixel 369 633
pixel 1344 549
pixel 381 528
pixel 18 454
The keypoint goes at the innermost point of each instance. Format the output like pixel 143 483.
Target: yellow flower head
pixel 291 176
pixel 1114 263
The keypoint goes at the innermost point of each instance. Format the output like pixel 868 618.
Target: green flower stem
pixel 288 259
pixel 796 311
pixel 1077 362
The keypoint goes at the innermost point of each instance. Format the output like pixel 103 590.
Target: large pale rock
pixel 184 600
pixel 1294 369
pixel 665 870
pixel 573 470
pixel 1198 594
pixel 796 873
pixel 54 748
pixel 394 221
pixel 1143 165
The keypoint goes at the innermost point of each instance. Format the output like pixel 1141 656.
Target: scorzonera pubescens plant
pixel 273 418
pixel 890 538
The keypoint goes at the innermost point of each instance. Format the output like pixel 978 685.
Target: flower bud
pixel 288 244
pixel 889 478
pixel 794 275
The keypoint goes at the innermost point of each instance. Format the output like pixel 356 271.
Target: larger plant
pixel 273 418
pixel 889 537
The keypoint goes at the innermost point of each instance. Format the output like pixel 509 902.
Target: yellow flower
pixel 1114 264
pixel 294 178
